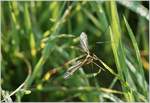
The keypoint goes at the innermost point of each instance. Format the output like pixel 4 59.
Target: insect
pixel 88 59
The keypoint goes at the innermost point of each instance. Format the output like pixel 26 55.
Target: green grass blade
pixel 29 30
pixel 137 53
pixel 48 48
pixel 119 53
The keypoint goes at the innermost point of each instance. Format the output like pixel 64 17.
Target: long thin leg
pixel 75 59
pixel 98 66
pixel 95 80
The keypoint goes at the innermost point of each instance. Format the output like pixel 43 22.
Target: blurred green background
pixel 39 38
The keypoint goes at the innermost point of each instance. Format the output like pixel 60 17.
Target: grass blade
pixel 118 52
pixel 137 53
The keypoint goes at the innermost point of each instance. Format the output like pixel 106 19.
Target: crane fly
pixel 88 59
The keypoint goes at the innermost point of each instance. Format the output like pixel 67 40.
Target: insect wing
pixel 84 42
pixel 72 69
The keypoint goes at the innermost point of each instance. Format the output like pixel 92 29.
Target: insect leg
pixel 98 66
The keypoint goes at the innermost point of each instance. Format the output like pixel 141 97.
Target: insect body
pixel 88 59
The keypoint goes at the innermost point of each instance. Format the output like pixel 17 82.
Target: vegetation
pixel 40 40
